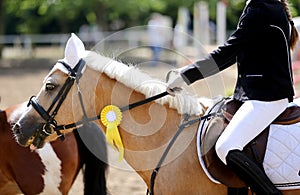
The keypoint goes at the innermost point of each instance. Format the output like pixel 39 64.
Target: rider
pixel 261 48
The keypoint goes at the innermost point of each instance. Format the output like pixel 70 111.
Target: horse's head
pixel 44 112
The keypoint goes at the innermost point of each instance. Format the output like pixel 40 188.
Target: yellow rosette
pixel 111 117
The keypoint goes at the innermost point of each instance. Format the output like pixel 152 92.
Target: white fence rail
pixel 29 45
pixel 26 45
pixel 60 39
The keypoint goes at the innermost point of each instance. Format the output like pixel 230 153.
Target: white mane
pixel 135 79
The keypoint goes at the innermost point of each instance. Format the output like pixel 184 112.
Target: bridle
pixel 49 115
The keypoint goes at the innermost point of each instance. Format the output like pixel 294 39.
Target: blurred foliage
pixel 55 16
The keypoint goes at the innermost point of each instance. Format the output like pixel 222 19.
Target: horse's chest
pixel 52 172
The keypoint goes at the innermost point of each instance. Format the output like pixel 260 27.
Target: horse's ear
pixel 74 50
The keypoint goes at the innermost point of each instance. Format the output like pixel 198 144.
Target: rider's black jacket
pixel 260 47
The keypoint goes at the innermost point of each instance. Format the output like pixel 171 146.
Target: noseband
pixel 49 115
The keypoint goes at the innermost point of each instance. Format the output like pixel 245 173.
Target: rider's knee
pixel 223 148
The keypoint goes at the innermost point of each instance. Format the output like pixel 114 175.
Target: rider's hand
pixel 175 83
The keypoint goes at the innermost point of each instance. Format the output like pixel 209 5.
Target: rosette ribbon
pixel 111 117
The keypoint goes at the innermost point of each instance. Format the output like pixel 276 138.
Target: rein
pixel 74 75
pixel 125 108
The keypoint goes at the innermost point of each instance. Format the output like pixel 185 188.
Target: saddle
pixel 255 149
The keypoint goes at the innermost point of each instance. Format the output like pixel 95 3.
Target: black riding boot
pixel 249 172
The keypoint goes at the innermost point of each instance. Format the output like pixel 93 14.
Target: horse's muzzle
pixel 38 142
pixel 41 134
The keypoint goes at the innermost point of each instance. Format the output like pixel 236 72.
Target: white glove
pixel 174 82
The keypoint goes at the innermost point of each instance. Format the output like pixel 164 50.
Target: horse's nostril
pixel 17 129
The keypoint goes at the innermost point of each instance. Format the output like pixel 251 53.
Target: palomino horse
pixel 145 131
pixel 50 170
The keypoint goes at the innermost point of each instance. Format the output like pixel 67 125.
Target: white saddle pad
pixel 282 158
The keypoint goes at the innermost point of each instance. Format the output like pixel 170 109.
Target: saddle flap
pixel 213 164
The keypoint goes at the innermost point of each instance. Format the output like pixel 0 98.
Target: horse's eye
pixel 50 86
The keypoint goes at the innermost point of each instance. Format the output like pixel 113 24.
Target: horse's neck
pixel 145 130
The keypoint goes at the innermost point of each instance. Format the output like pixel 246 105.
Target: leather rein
pixel 48 115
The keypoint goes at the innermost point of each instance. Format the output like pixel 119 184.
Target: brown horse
pixel 145 131
pixel 50 170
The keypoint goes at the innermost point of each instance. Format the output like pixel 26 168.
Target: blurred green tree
pixel 55 16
